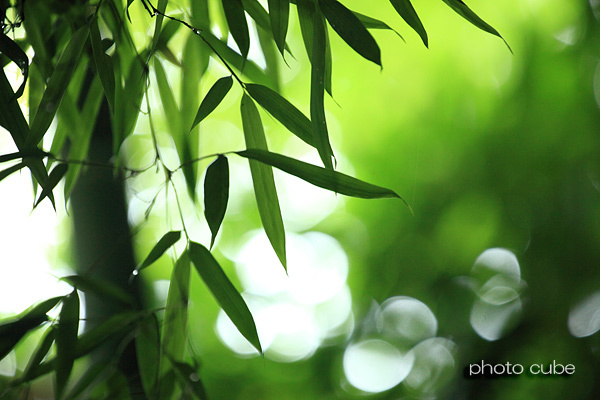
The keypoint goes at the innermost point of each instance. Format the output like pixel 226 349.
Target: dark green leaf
pixel 373 23
pixel 36 153
pixel 165 242
pixel 238 26
pixel 104 64
pixel 279 13
pixel 319 176
pixel 190 379
pixel 224 292
pixel 405 9
pixel 102 288
pixel 97 372
pixel 115 327
pixel 464 11
pixel 40 353
pixel 12 50
pixel 66 337
pixel 263 181
pixel 128 100
pixel 258 13
pixel 54 178
pixel 57 85
pixel 216 194
pixel 147 346
pixel 349 27
pixel 11 115
pixel 284 111
pixel 10 170
pixel 317 92
pixel 213 98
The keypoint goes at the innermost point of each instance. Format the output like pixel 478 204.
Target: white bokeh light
pixel 584 317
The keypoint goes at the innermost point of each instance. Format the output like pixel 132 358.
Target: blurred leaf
pixel 56 87
pixel 284 111
pixel 54 178
pixel 165 242
pixel 317 92
pixel 224 292
pixel 104 64
pixel 128 100
pixel 464 11
pixel 36 153
pixel 8 171
pixel 216 194
pixel 103 288
pixel 147 346
pixel 12 50
pixel 66 337
pixel 115 327
pixel 319 176
pixel 405 9
pixel 190 379
pixel 238 26
pixel 97 372
pixel 263 181
pixel 279 14
pixel 349 27
pixel 40 353
pixel 213 98
pixel 161 7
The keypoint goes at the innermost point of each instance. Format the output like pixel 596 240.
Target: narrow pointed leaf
pixel 317 92
pixel 279 14
pixel 165 242
pixel 284 111
pixel 349 27
pixel 12 50
pixel 406 10
pixel 147 346
pixel 40 353
pixel 128 99
pixel 161 7
pixel 103 63
pixel 10 170
pixel 97 372
pixel 374 23
pixel 103 288
pixel 36 153
pixel 216 194
pixel 464 11
pixel 319 176
pixel 190 379
pixel 213 98
pixel 238 26
pixel 54 178
pixel 57 86
pixel 66 337
pixel 224 292
pixel 262 179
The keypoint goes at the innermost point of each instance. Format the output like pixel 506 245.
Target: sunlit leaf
pixel 213 98
pixel 349 27
pixel 284 111
pixel 224 292
pixel 464 11
pixel 104 64
pixel 147 346
pixel 238 26
pixel 279 14
pixel 66 337
pixel 54 178
pixel 56 87
pixel 12 50
pixel 317 92
pixel 102 288
pixel 216 194
pixel 40 353
pixel 263 181
pixel 405 9
pixel 161 7
pixel 165 242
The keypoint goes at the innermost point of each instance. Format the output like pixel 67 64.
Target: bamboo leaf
pixel 284 111
pixel 104 64
pixel 14 53
pixel 40 353
pixel 279 14
pixel 319 176
pixel 54 178
pixel 57 85
pixel 224 292
pixel 213 98
pixel 374 23
pixel 216 194
pixel 317 92
pixel 66 337
pixel 10 170
pixel 464 11
pixel 35 153
pixel 190 379
pixel 263 181
pixel 349 27
pixel 103 288
pixel 405 9
pixel 147 346
pixel 128 100
pixel 165 242
pixel 238 26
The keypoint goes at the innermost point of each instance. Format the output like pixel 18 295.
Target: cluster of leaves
pixel 85 53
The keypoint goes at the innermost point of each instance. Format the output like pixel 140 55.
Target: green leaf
pixel 147 346
pixel 103 288
pixel 113 328
pixel 57 85
pixel 97 372
pixel 35 153
pixel 279 14
pixel 161 7
pixel 54 178
pixel 374 23
pixel 190 379
pixel 317 92
pixel 128 100
pixel 11 115
pixel 284 111
pixel 405 9
pixel 12 50
pixel 464 11
pixel 349 27
pixel 319 176
pixel 213 98
pixel 263 181
pixel 10 170
pixel 238 26
pixel 216 194
pixel 224 292
pixel 40 353
pixel 66 337
pixel 165 242
pixel 103 63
